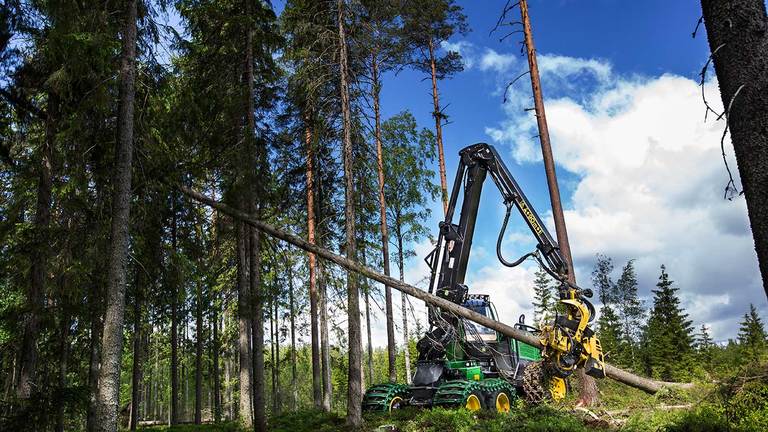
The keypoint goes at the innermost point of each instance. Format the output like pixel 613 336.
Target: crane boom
pixel 569 340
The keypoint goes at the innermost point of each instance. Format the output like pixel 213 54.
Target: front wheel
pixel 395 404
pixel 474 401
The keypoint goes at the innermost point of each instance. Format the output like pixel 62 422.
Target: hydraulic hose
pixel 501 237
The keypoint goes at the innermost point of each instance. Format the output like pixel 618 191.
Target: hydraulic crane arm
pixel 570 342
pixel 476 162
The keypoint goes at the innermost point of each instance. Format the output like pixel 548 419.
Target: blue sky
pixel 639 169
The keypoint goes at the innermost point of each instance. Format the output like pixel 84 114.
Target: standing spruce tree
pixel 426 24
pixel 668 334
pixel 544 299
pixel 408 154
pixel 312 96
pixel 630 311
pixel 704 346
pixel 112 337
pixel 752 336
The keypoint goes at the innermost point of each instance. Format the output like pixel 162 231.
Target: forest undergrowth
pixel 736 403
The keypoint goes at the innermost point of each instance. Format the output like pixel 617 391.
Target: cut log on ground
pixel 628 378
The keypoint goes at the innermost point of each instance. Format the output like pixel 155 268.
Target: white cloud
pixel 649 183
pixel 551 65
pixel 511 290
pixel 493 61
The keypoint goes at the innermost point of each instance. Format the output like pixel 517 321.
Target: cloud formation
pixel 650 182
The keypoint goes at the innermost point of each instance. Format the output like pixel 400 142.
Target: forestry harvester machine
pixel 464 364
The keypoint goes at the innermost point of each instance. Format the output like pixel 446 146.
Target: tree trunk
pixel 156 383
pixel 438 115
pixel 174 413
pixel 184 368
pixel 39 267
pixel 294 360
pixel 276 364
pixel 199 356
pixel 317 385
pixel 738 37
pixel 228 388
pixel 354 389
pixel 588 394
pixel 63 360
pixel 112 338
pixel 254 189
pixel 215 348
pixel 136 372
pixel 391 346
pixel 325 344
pixel 244 312
pixel 370 339
pixel 94 305
pixel 259 404
pixel 648 385
pixel 401 267
pixel 273 368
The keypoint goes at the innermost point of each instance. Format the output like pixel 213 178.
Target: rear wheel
pixel 386 397
pixel 500 400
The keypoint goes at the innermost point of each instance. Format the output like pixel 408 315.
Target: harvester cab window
pixel 476 331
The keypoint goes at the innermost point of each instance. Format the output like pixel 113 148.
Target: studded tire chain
pixel 535 383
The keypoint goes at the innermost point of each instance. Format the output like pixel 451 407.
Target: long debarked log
pixel 628 378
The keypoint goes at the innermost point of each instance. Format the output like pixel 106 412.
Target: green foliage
pixel 668 334
pixel 308 421
pixel 409 188
pixel 630 313
pixel 426 23
pixel 752 336
pixel 441 419
pixel 609 327
pixel 222 427
pixel 544 298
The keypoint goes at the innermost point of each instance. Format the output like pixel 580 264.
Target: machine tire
pixel 499 401
pixel 386 397
pixel 474 401
pixel 535 380
pixel 396 403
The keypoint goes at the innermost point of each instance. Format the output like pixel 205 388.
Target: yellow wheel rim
pixel 557 388
pixel 473 403
pixel 393 404
pixel 502 403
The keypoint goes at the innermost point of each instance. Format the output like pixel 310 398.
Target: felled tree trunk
pixel 628 378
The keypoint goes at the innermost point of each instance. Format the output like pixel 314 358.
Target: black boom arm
pixel 455 240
